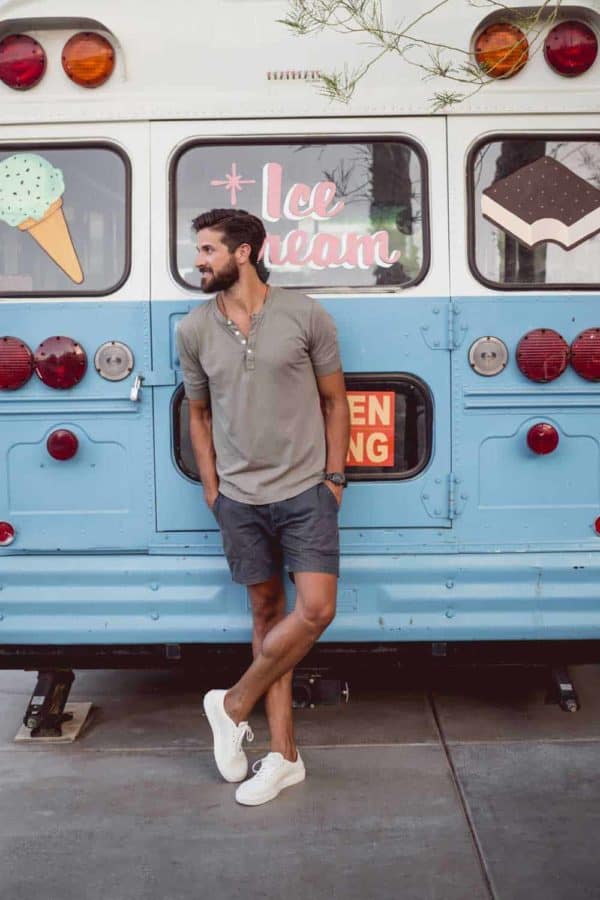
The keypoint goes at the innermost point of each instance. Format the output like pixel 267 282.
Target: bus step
pixel 45 712
pixel 562 690
pixel 311 688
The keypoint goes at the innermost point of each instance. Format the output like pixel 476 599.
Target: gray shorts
pixel 302 531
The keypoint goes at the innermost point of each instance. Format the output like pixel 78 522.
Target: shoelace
pixel 262 766
pixel 243 731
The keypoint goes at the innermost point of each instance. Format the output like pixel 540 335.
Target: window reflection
pixel 94 206
pixel 502 259
pixel 336 214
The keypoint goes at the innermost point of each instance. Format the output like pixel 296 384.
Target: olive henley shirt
pixel 267 422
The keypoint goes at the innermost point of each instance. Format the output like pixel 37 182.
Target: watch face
pixel 336 478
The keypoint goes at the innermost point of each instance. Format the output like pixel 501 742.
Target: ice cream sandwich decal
pixel 544 201
pixel 31 190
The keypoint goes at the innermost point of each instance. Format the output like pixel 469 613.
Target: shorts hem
pixel 319 564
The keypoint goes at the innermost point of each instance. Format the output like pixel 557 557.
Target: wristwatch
pixel 337 478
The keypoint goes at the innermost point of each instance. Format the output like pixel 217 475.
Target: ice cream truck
pixel 457 250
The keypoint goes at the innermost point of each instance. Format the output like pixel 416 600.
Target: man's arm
pixel 337 424
pixel 203 447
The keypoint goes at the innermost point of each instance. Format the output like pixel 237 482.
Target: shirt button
pixel 243 340
pixel 249 351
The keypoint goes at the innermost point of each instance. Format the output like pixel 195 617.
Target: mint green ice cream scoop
pixel 28 185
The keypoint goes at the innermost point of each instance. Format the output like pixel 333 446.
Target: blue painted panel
pixel 145 599
pixel 510 497
pixel 377 334
pixel 103 497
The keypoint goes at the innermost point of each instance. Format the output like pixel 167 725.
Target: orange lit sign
pixel 372 420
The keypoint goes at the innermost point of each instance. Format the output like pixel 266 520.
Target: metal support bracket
pixel 562 690
pixel 310 688
pixel 45 711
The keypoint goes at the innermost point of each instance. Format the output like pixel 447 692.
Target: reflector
pixel 7 534
pixel 62 444
pixel 542 355
pixel 501 50
pixel 542 438
pixel 88 59
pixel 22 61
pixel 16 363
pixel 571 48
pixel 585 354
pixel 60 362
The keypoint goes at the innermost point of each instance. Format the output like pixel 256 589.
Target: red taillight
pixel 597 526
pixel 542 438
pixel 16 363
pixel 62 444
pixel 22 61
pixel 585 354
pixel 7 534
pixel 60 362
pixel 571 48
pixel 542 354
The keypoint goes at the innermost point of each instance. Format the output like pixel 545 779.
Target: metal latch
pixel 134 393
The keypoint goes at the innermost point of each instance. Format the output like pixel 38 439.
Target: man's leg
pixel 287 642
pixel 268 608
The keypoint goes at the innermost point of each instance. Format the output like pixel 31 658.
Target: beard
pixel 226 278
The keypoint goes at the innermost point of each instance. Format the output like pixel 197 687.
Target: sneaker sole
pixel 292 779
pixel 212 712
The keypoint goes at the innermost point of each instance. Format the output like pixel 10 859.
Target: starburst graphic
pixel 233 183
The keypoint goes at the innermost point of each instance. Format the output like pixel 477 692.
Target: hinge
pixel 444 332
pixel 457 496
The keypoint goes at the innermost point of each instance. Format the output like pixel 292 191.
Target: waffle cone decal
pixel 544 201
pixel 31 192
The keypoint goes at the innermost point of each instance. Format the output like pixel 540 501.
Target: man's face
pixel 217 266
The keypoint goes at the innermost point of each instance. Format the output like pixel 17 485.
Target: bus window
pixel 534 209
pixel 338 215
pixel 64 226
pixel 391 428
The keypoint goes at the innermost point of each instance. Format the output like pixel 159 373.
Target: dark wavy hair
pixel 237 227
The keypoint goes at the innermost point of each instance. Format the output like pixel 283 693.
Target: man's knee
pixel 317 612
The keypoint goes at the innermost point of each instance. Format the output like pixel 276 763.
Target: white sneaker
pixel 231 760
pixel 273 774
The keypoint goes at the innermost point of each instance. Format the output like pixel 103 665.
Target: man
pixel 257 362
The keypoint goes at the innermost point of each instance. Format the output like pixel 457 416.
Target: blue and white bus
pixel 469 339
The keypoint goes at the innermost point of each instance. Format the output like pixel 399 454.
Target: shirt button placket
pixel 250 346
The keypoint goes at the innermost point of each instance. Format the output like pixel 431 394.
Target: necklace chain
pixel 227 316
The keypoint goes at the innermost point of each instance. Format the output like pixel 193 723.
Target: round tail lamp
pixel 542 355
pixel 16 363
pixel 571 48
pixel 585 354
pixel 62 444
pixel 7 534
pixel 501 50
pixel 542 438
pixel 22 61
pixel 60 362
pixel 597 525
pixel 88 59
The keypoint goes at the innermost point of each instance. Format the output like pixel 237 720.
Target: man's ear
pixel 242 253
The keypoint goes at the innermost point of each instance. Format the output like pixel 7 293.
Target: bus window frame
pixel 471 212
pixel 367 381
pixel 264 141
pixel 34 146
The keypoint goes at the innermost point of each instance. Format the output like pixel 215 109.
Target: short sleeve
pixel 195 379
pixel 323 343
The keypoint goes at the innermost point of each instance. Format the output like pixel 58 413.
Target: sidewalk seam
pixel 486 874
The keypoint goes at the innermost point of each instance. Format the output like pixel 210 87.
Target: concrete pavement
pixel 461 784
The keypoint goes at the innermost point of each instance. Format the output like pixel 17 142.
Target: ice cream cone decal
pixel 31 192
